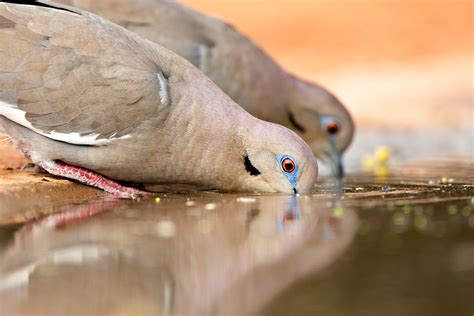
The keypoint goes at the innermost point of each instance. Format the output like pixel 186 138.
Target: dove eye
pixel 330 125
pixel 288 165
pixel 332 128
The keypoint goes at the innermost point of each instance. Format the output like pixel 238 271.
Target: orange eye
pixel 288 165
pixel 332 128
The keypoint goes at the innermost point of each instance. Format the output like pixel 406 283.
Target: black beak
pixel 336 161
pixel 338 167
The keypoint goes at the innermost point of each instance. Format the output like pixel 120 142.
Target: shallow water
pixel 396 245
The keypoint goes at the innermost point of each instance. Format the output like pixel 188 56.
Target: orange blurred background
pixel 396 64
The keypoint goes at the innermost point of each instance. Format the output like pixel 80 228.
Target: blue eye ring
pixel 290 173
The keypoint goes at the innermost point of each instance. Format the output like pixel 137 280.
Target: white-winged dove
pixel 83 97
pixel 240 68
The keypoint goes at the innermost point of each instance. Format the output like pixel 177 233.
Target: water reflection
pixel 169 258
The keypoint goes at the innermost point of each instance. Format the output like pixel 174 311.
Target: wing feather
pixel 76 74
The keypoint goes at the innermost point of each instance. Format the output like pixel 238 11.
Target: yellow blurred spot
pixel 406 209
pixel 190 203
pixel 466 211
pixel 377 162
pixel 368 163
pixel 421 222
pixel 444 180
pixel 157 200
pixel 338 211
pixel 452 209
pixel 382 154
pixel 381 171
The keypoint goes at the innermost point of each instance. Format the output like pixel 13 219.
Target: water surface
pixel 396 245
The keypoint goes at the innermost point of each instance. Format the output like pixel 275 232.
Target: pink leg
pixel 67 216
pixel 72 214
pixel 90 178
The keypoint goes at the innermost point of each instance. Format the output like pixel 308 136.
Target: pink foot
pixel 73 213
pixel 69 215
pixel 90 178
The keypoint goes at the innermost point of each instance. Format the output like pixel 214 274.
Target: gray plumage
pixel 238 66
pixel 77 88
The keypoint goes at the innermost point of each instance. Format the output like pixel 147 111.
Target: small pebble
pixel 157 200
pixel 386 188
pixel 246 200
pixel 444 180
pixel 165 228
pixel 190 203
pixel 210 206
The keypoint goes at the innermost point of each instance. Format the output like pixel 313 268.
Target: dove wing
pixel 75 77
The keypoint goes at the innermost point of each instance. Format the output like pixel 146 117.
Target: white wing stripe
pixel 163 89
pixel 16 115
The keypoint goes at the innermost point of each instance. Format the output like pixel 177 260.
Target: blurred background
pixel 403 68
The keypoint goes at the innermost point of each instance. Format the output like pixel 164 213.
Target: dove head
pixel 321 120
pixel 277 160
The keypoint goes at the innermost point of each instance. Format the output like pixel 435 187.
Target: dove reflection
pixel 290 217
pixel 168 258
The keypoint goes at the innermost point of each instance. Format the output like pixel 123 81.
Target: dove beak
pixel 336 161
pixel 338 167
